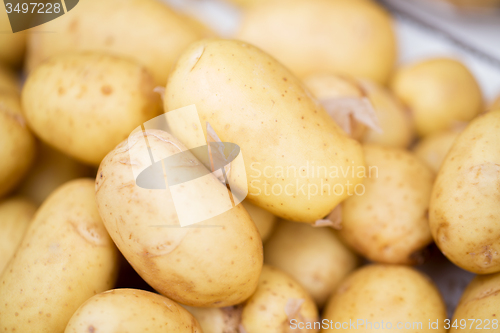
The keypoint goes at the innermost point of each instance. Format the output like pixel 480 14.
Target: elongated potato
pixel 314 257
pixel 12 45
pixel 216 262
pixel 479 307
pixel 218 320
pixel 131 311
pixel 51 169
pixel 432 149
pixel 464 205
pixel 279 304
pixel 18 145
pixel 15 216
pixel 440 92
pixel 308 36
pixel 65 257
pixel 84 104
pixel 251 100
pixel 155 38
pixel 383 298
pixel 388 222
pixel 264 221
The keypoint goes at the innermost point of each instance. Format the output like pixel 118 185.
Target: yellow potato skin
pixel 389 223
pixel 388 293
pixel 162 36
pixel 131 311
pixel 464 203
pixel 496 104
pixel 8 81
pixel 265 310
pixel 432 149
pixel 84 104
pixel 480 300
pixel 314 257
pixel 440 92
pixel 65 257
pixel 209 267
pixel 251 100
pixel 18 145
pixel 12 45
pixel 264 220
pixel 343 36
pixel 15 216
pixel 50 170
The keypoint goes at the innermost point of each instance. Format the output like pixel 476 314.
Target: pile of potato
pixel 412 155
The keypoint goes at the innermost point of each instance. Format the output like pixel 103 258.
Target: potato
pixel 218 320
pixel 131 311
pixel 147 31
pixel 464 205
pixel 65 258
pixel 440 92
pixel 308 36
pixel 251 100
pixel 382 298
pixel 12 45
pixel 15 216
pixel 264 221
pixel 51 170
pixel 433 149
pixel 18 144
pixel 314 257
pixel 278 305
pixel 479 306
pixel 214 263
pixel 387 222
pixel 394 120
pixel 8 82
pixel 84 104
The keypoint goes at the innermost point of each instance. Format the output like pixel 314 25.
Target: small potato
pixel 378 298
pixel 278 305
pixel 308 36
pixel 15 216
pixel 18 145
pixel 131 311
pixel 251 100
pixel 51 169
pixel 314 257
pixel 8 82
pixel 218 320
pixel 479 307
pixel 66 257
pixel 213 263
pixel 440 92
pixel 85 104
pixel 433 149
pixel 12 45
pixel 388 222
pixel 464 207
pixel 147 31
pixel 264 220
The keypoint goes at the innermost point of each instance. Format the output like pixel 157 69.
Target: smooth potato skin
pixel 8 81
pixel 197 266
pixel 265 310
pixel 389 223
pixel 218 320
pixel 314 257
pixel 65 257
pixel 386 293
pixel 12 45
pixel 15 216
pixel 440 92
pixel 18 144
pixel 131 311
pixel 481 300
pixel 264 220
pixel 433 149
pixel 84 104
pixel 464 205
pixel 252 100
pixel 155 39
pixel 355 38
